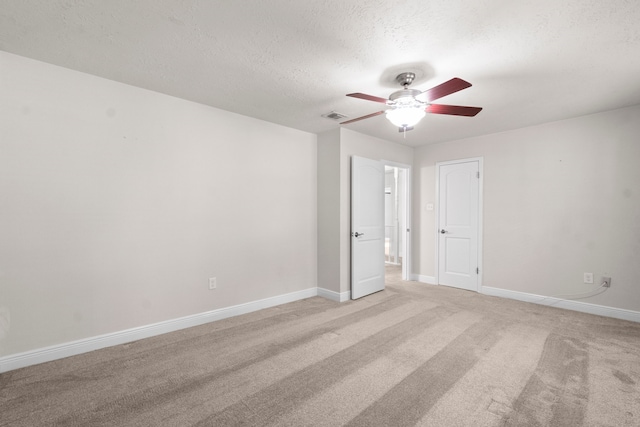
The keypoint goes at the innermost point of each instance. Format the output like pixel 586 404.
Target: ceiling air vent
pixel 334 116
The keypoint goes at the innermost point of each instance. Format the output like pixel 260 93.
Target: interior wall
pixel 357 144
pixel 560 199
pixel 329 210
pixel 119 203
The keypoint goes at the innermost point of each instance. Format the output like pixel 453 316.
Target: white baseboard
pixel 600 310
pixel 423 279
pixel 47 354
pixel 333 295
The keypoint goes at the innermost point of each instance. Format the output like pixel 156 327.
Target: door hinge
pixel 477 270
pixel 477 174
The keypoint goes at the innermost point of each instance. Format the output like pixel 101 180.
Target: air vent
pixel 334 116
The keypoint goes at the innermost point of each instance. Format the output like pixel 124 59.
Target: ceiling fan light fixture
pixel 407 109
pixel 405 116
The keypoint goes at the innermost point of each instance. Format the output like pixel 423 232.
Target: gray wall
pixel 117 205
pixel 560 199
pixel 329 210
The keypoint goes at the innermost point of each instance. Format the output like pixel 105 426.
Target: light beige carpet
pixel 413 354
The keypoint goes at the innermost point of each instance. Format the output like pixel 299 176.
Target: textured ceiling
pixel 290 61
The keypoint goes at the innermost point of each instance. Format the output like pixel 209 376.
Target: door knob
pixel 443 231
pixel 358 234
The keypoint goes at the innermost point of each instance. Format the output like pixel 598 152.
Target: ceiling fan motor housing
pixel 404 96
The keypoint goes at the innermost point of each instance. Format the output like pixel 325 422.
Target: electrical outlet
pixel 588 277
pixel 212 283
pixel 606 282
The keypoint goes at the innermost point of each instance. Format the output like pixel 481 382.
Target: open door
pixel 367 226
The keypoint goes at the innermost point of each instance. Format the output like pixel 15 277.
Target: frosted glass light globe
pixel 405 116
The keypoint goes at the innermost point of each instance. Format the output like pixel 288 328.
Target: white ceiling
pixel 289 61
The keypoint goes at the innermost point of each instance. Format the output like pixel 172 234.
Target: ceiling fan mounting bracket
pixel 405 79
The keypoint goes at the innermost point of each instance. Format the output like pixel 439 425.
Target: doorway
pixel 371 246
pixel 396 215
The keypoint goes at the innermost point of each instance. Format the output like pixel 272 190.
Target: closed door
pixel 458 218
pixel 367 226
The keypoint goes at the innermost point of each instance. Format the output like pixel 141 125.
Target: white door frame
pixel 437 225
pixel 406 262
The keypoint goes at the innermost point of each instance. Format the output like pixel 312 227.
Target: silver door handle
pixel 358 234
pixel 443 231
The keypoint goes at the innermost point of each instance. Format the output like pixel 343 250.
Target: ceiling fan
pixel 407 110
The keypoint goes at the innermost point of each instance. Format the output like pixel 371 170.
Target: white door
pixel 367 226
pixel 458 219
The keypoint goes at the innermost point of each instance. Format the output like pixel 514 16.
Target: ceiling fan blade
pixel 363 117
pixel 446 88
pixel 368 97
pixel 454 110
